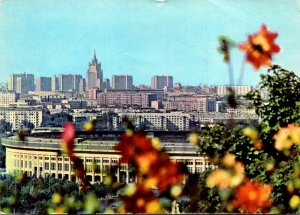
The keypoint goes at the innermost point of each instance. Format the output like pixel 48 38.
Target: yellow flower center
pixel 140 202
pixel 260 44
pixel 252 195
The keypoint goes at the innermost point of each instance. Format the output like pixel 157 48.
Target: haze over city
pixel 142 39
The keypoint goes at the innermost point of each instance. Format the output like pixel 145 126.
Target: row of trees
pixel 22 194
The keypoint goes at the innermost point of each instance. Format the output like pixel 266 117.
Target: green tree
pixel 278 108
pixel 5 126
pixel 56 120
pixel 40 207
pixel 2 156
pixel 28 125
pixel 202 199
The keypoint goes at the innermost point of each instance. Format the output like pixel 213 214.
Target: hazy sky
pixel 141 37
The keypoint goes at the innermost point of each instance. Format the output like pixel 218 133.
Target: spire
pixel 95 58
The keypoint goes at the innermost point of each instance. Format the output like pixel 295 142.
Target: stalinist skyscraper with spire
pixel 94 74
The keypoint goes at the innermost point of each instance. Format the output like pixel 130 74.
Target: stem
pixel 230 73
pixel 242 72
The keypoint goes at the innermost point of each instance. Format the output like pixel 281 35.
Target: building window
pixel 123 168
pixel 53 166
pixel 47 166
pixel 198 169
pixel 66 167
pixel 98 168
pixel 59 167
pixel 89 168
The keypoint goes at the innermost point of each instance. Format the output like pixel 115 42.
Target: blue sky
pixel 141 37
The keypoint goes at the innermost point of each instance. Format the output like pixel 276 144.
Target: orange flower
pixel 260 47
pixel 132 145
pixel 155 165
pixel 146 160
pixel 252 197
pixel 286 137
pixel 167 173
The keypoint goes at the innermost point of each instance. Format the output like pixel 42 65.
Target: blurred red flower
pixel 153 164
pixel 68 137
pixel 252 197
pixel 166 172
pixel 132 145
pixel 260 47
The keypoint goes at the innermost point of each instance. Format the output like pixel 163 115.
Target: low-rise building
pixel 7 97
pixel 189 101
pixel 239 90
pixel 155 121
pixel 136 98
pixel 39 155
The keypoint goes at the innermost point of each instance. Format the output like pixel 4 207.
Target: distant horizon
pixel 142 39
pixel 188 85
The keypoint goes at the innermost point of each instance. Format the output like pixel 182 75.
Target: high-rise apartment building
pixel 82 85
pixel 76 82
pixel 122 82
pixel 43 84
pixel 65 82
pixel 69 82
pixel 21 83
pixel 106 83
pixel 54 83
pixel 159 82
pixel 94 76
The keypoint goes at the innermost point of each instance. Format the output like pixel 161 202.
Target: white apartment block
pixel 17 116
pixel 241 90
pixel 162 121
pixel 8 97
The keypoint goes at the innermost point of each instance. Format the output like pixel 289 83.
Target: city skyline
pixel 143 39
